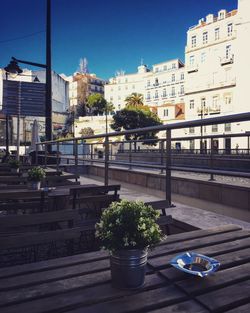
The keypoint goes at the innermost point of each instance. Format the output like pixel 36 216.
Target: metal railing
pixel 108 156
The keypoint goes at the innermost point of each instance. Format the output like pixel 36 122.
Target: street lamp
pixel 14 69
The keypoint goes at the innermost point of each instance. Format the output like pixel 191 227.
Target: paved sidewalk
pixel 202 214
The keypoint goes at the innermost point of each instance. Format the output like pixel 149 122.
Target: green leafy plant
pixel 128 225
pixel 13 163
pixel 36 174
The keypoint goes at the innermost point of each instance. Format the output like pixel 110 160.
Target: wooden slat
pixel 228 297
pixel 48 300
pixel 241 309
pixel 197 243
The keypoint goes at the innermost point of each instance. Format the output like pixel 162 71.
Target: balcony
pixel 227 60
pixel 215 109
pixel 192 69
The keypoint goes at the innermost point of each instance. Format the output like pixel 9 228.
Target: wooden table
pixel 81 283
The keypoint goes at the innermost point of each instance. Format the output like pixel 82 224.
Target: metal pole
pixel 130 155
pixel 168 169
pixel 106 170
pixel 7 134
pixel 57 156
pixel 201 140
pixel 162 154
pixel 18 121
pixel 212 159
pixel 48 109
pixel 76 155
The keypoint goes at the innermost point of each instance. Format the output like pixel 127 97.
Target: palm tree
pixel 134 100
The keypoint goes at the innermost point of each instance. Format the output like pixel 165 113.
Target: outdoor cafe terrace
pixel 50 253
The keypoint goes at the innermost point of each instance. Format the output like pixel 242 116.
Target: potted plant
pixel 35 176
pixel 127 229
pixel 14 165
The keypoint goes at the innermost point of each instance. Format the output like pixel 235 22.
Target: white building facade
pixel 215 83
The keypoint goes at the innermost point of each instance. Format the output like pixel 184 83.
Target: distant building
pixel 217 73
pixel 81 85
pixel 60 104
pixel 164 84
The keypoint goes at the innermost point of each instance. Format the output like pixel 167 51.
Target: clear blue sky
pixel 112 34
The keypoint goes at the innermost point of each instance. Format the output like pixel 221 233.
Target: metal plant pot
pixel 35 185
pixel 14 170
pixel 128 268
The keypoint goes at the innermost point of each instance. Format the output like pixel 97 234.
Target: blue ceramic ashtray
pixel 195 264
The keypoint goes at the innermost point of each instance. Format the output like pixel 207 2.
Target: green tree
pixel 134 100
pixel 134 117
pixel 87 131
pixel 96 103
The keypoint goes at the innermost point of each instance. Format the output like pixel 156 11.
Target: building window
pixel 156 94
pixel 217 33
pixel 173 91
pixel 119 107
pixel 133 86
pixel 111 98
pixel 126 80
pixel 228 100
pixel 205 38
pixel 191 60
pixel 173 65
pixel 165 68
pixel 148 95
pixel 203 57
pixel 191 104
pixel 148 83
pixel 191 130
pixel 165 112
pixel 182 90
pixel 193 41
pixel 119 97
pixel 157 69
pixel 156 82
pixel 126 87
pixel 214 128
pixel 227 127
pixel 119 88
pixel 182 76
pixel 228 51
pixel 164 93
pixel 230 29
pixel 173 77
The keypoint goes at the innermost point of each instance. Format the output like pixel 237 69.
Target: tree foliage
pixel 134 117
pixel 134 100
pixel 87 131
pixel 96 103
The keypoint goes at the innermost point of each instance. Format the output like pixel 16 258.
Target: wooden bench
pixel 77 195
pixel 32 247
pixel 30 201
pixel 164 220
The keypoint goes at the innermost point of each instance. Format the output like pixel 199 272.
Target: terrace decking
pixel 81 283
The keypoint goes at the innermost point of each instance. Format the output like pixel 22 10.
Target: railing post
pixel 75 145
pixel 91 152
pixel 45 158
pixel 212 159
pixel 168 168
pixel 130 155
pixel 57 156
pixel 106 160
pixel 36 160
pixel 162 154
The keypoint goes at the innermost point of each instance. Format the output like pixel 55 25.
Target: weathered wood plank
pixel 47 265
pixel 227 298
pixel 197 243
pixel 75 298
pixel 241 309
pixel 183 307
pixel 221 279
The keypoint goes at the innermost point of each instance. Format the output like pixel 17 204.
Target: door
pixel 228 145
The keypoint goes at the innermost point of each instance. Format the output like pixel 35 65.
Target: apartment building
pixel 81 85
pixel 214 78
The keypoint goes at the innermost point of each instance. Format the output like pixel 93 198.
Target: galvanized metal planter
pixel 128 268
pixel 35 185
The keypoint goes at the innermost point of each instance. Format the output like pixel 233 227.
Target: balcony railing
pixel 227 60
pixel 166 157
